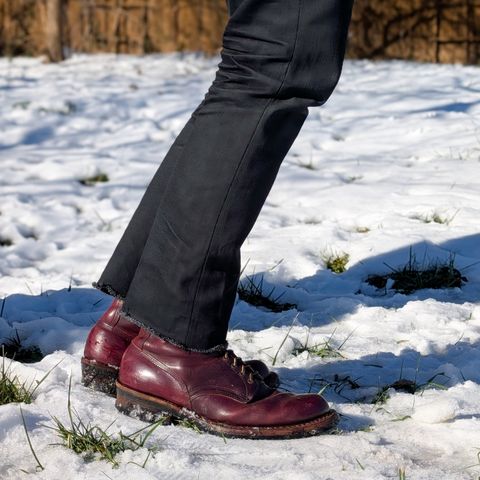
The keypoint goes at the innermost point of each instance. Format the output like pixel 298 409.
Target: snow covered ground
pixel 397 145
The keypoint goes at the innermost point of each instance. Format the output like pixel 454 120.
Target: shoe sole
pixel 99 377
pixel 151 409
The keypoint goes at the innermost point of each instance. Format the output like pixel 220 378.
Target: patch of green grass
pixel 366 429
pixel 402 475
pixel 435 217
pixel 336 262
pixel 407 386
pixel 254 293
pixel 12 389
pixel 322 350
pixel 13 348
pixel 94 179
pixel 382 396
pixel 414 276
pixel 187 423
pixel 94 442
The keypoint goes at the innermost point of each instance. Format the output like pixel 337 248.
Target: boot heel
pixel 99 377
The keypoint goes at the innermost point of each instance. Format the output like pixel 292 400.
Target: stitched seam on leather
pixel 125 332
pixel 217 392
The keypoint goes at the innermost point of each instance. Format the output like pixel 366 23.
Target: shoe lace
pixel 237 362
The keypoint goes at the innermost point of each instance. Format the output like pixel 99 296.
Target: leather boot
pixel 216 392
pixel 108 340
pixel 104 348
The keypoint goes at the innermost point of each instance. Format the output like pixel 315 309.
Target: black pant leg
pixel 278 59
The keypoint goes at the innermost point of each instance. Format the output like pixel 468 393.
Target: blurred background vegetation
pixel 424 30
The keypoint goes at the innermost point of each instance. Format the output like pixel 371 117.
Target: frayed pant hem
pixel 221 348
pixel 109 290
pixel 105 288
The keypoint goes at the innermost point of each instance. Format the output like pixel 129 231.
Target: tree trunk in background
pixel 53 31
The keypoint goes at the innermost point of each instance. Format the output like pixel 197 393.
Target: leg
pixel 278 59
pixel 118 274
pixel 275 64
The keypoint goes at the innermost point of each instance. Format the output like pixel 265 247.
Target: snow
pixel 397 144
pixel 438 411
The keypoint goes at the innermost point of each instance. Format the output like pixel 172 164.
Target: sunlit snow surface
pixel 396 143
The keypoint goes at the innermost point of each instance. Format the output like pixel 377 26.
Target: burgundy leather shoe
pixel 216 392
pixel 104 348
pixel 108 340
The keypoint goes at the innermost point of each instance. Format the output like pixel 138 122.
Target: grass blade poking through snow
pixel 95 442
pixel 414 276
pixel 39 465
pixel 12 389
pixel 254 294
pixel 14 349
pixel 322 350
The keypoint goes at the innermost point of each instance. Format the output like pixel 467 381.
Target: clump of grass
pixel 12 389
pixel 13 348
pixel 5 242
pixel 352 178
pixel 362 229
pixel 339 384
pixel 312 221
pixel 322 350
pixel 22 104
pixel 407 386
pixel 310 165
pixel 336 262
pixel 66 109
pixel 402 474
pixel 435 217
pixel 94 179
pixel 413 276
pixel 187 423
pixel 94 442
pixel 382 396
pixel 254 293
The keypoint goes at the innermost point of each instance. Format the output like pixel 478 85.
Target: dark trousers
pixel 177 265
